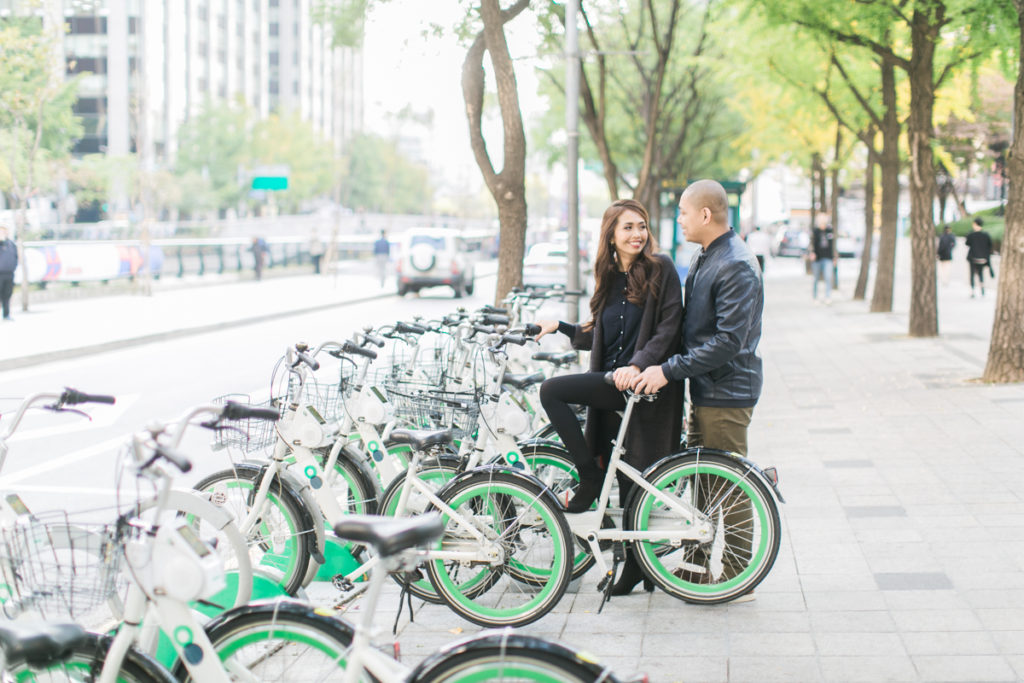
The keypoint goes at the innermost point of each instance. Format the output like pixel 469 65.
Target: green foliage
pixel 287 140
pixel 994 223
pixel 377 177
pixel 346 19
pixel 215 145
pixel 37 124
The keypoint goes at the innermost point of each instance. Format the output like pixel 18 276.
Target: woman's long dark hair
pixel 644 274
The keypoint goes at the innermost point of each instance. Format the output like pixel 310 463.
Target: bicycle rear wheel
pixel 745 519
pixel 84 663
pixel 278 642
pixel 520 523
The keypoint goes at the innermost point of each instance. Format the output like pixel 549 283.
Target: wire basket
pixel 424 406
pixel 248 435
pixel 57 568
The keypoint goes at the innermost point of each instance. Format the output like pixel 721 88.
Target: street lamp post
pixel 572 116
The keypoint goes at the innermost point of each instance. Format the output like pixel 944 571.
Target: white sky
pixel 402 66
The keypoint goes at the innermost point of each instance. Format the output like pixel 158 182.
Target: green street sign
pixel 270 183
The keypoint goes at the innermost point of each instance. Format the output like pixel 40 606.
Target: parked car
pixel 791 242
pixel 546 266
pixel 431 257
pixel 847 246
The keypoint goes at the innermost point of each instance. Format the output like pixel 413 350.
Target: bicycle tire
pixel 739 505
pixel 551 464
pixel 290 539
pixel 271 642
pixel 522 517
pixel 86 660
pixel 436 472
pixel 510 657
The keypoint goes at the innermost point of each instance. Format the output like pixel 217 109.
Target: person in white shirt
pixel 760 244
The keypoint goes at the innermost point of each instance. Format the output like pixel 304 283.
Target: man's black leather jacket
pixel 721 326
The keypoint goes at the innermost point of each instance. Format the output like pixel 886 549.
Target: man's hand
pixel 546 327
pixel 624 377
pixel 650 380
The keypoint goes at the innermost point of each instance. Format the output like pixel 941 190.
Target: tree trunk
pixel 509 186
pixel 889 165
pixel 924 313
pixel 869 229
pixel 1006 347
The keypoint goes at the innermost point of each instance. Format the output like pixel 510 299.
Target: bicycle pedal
pixel 342 583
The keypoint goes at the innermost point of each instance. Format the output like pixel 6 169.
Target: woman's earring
pixel 615 256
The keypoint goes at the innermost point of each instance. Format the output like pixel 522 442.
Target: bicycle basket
pixel 247 435
pixel 423 406
pixel 54 567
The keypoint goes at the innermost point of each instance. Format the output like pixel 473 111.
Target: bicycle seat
pixel 390 535
pixel 556 357
pixel 522 381
pixel 422 439
pixel 40 643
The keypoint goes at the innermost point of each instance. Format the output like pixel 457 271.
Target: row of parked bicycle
pixel 418 446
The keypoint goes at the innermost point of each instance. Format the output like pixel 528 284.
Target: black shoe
pixel 586 493
pixel 630 576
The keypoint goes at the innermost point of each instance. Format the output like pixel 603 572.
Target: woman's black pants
pixel 559 394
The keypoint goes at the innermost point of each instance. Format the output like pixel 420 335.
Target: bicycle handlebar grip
pixel 495 319
pixel 176 459
pixel 489 308
pixel 238 411
pixel 517 339
pixel 531 330
pixel 609 377
pixel 349 347
pixel 572 292
pixel 304 357
pixel 409 328
pixel 74 397
pixel 371 339
pixel 483 329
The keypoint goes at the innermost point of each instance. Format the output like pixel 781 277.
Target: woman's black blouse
pixel 620 326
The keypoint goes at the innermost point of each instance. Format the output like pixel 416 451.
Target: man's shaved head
pixel 711 195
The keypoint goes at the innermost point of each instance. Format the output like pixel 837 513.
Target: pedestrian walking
pixel 823 256
pixel 259 251
pixel 947 241
pixel 382 254
pixel 316 252
pixel 636 311
pixel 760 244
pixel 8 264
pixel 979 253
pixel 721 330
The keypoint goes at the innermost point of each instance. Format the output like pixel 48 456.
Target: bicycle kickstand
pixel 605 585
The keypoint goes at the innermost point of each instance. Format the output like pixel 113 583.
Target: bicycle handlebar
pixel 177 459
pixel 238 411
pixel 74 397
pixel 409 328
pixel 371 339
pixel 304 357
pixel 495 319
pixel 350 347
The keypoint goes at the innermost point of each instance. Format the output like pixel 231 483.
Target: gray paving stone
pixel 964 668
pixel 765 668
pixel 903 581
pixel 951 643
pixel 867 669
pixel 859 644
pixel 1009 642
pixel 697 669
pixel 937 620
pixel 852 622
pixel 744 644
pixel 703 644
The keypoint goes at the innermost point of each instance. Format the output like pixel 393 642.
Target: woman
pixel 636 314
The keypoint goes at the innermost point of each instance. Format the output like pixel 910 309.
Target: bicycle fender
pixel 358 458
pixel 749 464
pixel 300 491
pixel 538 442
pixel 310 506
pixel 546 493
pixel 503 639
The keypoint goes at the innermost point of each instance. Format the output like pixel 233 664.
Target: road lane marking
pixel 108 446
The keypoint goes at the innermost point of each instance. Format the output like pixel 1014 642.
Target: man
pixel 382 252
pixel 823 256
pixel 722 310
pixel 721 326
pixel 8 264
pixel 945 253
pixel 979 253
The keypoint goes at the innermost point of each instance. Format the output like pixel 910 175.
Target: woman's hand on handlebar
pixel 546 327
pixel 625 377
pixel 650 380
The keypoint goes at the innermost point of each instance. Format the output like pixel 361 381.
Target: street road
pixel 61 461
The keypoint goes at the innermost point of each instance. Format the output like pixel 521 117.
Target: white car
pixel 546 266
pixel 432 257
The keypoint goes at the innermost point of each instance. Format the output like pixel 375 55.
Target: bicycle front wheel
pixel 510 659
pixel 507 525
pixel 744 542
pixel 278 642
pixel 280 542
pixel 86 661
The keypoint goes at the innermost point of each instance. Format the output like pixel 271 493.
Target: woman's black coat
pixel 655 427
